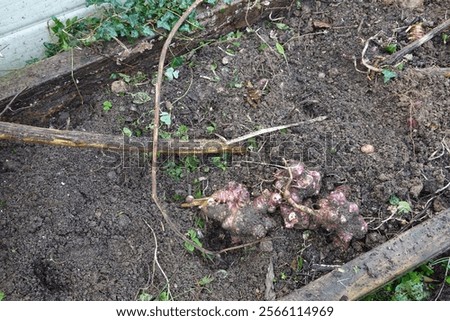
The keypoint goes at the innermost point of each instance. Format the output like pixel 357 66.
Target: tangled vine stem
pixel 154 168
pixel 159 79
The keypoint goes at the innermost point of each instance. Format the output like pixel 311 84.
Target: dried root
pixel 295 186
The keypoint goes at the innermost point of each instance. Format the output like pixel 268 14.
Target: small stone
pixel 367 149
pixel 384 177
pixel 416 189
pixel 112 175
pixel 119 86
pixel 226 60
pixel 321 75
pixel 266 246
pixel 411 4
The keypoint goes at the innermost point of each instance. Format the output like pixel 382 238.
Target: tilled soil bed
pixel 77 224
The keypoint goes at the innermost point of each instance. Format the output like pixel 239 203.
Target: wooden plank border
pixel 381 265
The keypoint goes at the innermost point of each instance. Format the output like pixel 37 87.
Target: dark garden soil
pixel 77 224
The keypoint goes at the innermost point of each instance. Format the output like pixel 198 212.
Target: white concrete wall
pixel 23 28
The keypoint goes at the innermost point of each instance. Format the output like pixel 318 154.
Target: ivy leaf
pixel 147 31
pixel 394 200
pixel 127 132
pixel 388 75
pixel 403 207
pixel 171 74
pixel 165 118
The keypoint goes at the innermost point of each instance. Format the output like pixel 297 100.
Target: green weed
pixel 220 161
pixel 205 280
pixel 192 235
pixel 174 170
pixel 280 50
pixel 171 73
pixel 127 132
pixel 391 48
pixel 411 286
pixel 191 163
pixel 403 207
pixel 2 295
pixel 107 105
pixel 135 79
pixel 211 128
pixel 165 118
pixel 116 18
pixel 182 133
pixel 388 75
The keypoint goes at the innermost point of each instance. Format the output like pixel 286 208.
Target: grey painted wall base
pixel 24 28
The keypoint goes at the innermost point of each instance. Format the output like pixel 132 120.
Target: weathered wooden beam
pixel 47 87
pixel 67 138
pixel 381 265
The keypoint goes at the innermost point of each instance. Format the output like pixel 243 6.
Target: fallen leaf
pixel 321 24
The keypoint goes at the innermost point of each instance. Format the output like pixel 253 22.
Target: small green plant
pixel 191 163
pixel 2 295
pixel 127 132
pixel 144 296
pixel 165 118
pixel 192 234
pixel 205 280
pixel 128 19
pixel 283 276
pixel 213 68
pixel 219 162
pixel 280 50
pixel 107 105
pixel 400 66
pixel 402 207
pixel 135 79
pixel 211 128
pixel 171 73
pixel 262 47
pixel 181 133
pixel 164 296
pixel 411 288
pixel 235 82
pixel 198 193
pixel 177 61
pixel 391 48
pixel 174 170
pixel 445 38
pixel 31 61
pixel 388 75
pixel 299 263
pixel 282 26
pixel 199 222
pixel 252 145
pixel 164 135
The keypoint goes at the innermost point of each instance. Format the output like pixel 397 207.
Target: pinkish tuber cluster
pixel 294 186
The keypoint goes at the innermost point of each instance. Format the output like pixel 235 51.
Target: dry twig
pixel 269 130
pixel 8 107
pixel 154 167
pixel 155 260
pixel 415 44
